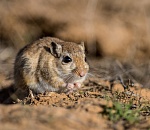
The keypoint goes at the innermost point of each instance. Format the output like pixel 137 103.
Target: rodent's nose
pixel 82 74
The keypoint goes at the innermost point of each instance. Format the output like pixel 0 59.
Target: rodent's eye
pixel 66 59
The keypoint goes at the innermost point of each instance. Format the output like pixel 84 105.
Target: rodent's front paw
pixel 70 86
pixel 64 85
pixel 77 85
pixel 73 86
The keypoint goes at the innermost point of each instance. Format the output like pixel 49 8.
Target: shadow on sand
pixel 5 95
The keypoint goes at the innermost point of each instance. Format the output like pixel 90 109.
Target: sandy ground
pixel 83 109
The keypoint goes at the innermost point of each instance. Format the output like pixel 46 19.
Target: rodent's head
pixel 70 61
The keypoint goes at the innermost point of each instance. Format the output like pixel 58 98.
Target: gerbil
pixel 50 64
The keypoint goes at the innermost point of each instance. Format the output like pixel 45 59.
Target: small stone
pixel 118 88
pixel 95 109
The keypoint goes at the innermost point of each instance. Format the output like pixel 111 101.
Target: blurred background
pixel 117 30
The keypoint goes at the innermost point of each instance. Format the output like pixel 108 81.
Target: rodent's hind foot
pixel 31 95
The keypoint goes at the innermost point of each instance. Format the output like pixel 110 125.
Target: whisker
pixel 64 71
pixel 89 74
pixel 62 74
pixel 70 77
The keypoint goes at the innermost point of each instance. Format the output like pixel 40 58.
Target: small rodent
pixel 50 64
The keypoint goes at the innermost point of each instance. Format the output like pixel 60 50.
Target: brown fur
pixel 39 66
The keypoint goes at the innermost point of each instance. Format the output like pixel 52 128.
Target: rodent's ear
pixel 56 49
pixel 82 46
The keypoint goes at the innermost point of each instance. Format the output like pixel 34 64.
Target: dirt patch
pixel 44 117
pixel 87 108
